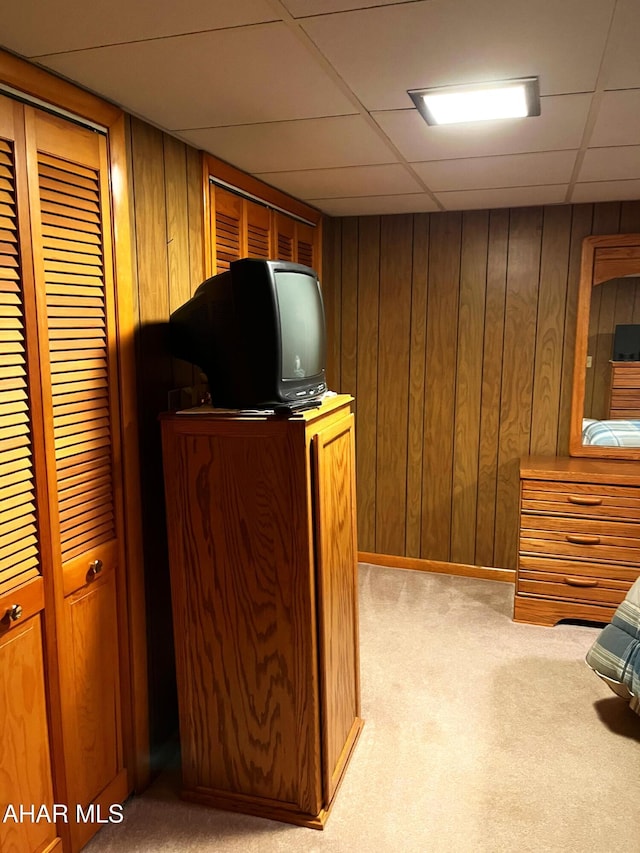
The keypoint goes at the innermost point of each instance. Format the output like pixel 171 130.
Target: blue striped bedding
pixel 615 655
pixel 611 433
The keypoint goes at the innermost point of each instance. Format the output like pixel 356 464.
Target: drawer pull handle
pixel 584 500
pixel 583 539
pixel 580 581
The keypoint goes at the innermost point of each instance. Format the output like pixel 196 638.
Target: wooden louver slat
pixel 78 348
pixel 19 543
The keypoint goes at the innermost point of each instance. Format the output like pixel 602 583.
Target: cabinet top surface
pixel 579 470
pixel 329 404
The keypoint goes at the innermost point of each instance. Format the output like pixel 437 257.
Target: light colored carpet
pixel 481 736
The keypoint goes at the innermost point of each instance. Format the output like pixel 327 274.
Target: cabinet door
pixel 227 228
pixel 26 772
pixel 336 554
pixel 69 205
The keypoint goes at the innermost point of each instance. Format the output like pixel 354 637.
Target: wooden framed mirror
pixel 605 409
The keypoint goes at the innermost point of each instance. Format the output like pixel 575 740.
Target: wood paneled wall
pixel 167 190
pixel 455 333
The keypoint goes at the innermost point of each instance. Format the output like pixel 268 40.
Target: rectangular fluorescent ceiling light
pixel 478 101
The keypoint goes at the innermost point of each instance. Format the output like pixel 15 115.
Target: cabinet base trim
pixel 270 810
pixel 548 612
pixel 438 567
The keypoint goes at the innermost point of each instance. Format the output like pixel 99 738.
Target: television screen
pixel 258 333
pixel 301 324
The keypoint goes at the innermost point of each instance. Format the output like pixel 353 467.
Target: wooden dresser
pixel 579 546
pixel 624 400
pixel 262 547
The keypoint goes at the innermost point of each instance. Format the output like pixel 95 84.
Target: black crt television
pixel 258 333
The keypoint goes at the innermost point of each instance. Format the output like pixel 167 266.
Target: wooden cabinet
pixel 579 538
pixel 261 523
pixel 624 400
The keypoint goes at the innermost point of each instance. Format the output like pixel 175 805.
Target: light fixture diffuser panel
pixel 478 101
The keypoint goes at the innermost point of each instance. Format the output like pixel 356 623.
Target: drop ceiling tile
pixel 295 145
pixel 610 164
pixel 303 8
pixel 508 197
pixel 623 69
pixel 209 79
pixel 354 181
pixel 618 119
pixel 606 191
pixel 33 28
pixel 376 205
pixel 381 52
pixel 509 170
pixel 560 126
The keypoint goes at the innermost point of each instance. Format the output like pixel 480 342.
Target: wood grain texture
pixel 579 538
pixel 257 673
pixel 468 394
pixel 336 555
pixel 442 321
pixel 417 355
pixel 527 329
pixel 367 376
pixel 394 332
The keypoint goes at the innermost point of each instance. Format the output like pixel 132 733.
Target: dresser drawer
pixel 572 587
pixel 581 499
pixel 589 569
pixel 580 538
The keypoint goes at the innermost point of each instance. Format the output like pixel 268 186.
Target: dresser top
pixel 579 470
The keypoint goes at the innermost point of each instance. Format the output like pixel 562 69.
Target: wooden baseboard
pixel 417 564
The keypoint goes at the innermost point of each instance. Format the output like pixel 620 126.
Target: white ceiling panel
pixel 507 197
pixel 618 121
pixel 606 191
pixel 560 125
pixel 294 145
pixel 311 95
pixel 442 42
pixel 512 170
pixel 210 79
pixel 623 69
pixel 303 8
pixel 610 164
pixel 370 205
pixel 354 181
pixel 75 24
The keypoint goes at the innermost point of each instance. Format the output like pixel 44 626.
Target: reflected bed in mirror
pixel 605 416
pixel 610 433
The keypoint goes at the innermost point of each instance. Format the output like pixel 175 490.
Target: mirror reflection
pixel 611 416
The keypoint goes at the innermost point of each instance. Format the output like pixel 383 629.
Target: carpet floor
pixel 481 736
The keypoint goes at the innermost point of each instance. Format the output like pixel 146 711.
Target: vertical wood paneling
pixel 349 307
pixel 523 270
pixel 496 288
pixel 367 378
pixel 167 186
pixel 470 337
pixel 581 224
pixel 396 237
pixel 417 353
pixel 440 383
pixel 332 296
pixel 552 297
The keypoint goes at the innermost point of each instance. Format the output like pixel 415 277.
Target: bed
pixel 614 433
pixel 615 655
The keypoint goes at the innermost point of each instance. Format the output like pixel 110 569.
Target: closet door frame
pixel 35 83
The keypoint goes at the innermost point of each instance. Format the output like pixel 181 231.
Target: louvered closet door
pixel 305 237
pixel 285 232
pixel 72 240
pixel 227 228
pixel 258 232
pixel 26 775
